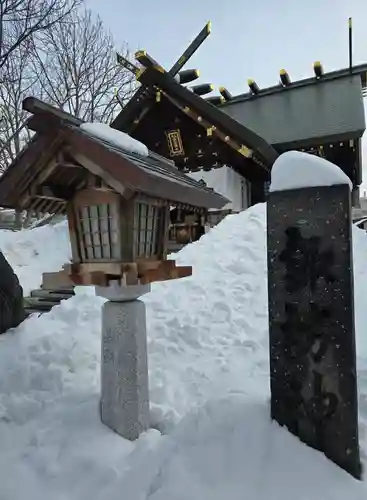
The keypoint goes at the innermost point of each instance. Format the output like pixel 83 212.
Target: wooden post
pixel 311 320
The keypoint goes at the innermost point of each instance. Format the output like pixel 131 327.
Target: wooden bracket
pixel 101 274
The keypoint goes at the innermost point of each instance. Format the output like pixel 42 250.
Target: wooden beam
pixel 39 204
pixel 37 170
pixel 102 274
pixel 57 207
pixel 38 191
pixel 37 107
pixel 64 160
pixel 52 281
pixel 37 180
pixel 69 165
pixel 45 192
pixel 99 172
pixel 45 174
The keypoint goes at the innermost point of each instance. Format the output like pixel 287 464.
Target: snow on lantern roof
pixel 115 137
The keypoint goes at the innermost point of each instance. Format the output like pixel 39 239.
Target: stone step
pixel 28 311
pixel 60 289
pixel 43 300
pixel 39 305
pixel 51 295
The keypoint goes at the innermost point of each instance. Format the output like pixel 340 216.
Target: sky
pixel 249 39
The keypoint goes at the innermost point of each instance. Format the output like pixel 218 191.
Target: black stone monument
pixel 311 320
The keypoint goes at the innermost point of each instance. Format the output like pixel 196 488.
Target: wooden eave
pixel 134 173
pixel 47 114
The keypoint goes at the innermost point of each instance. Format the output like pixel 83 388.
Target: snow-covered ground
pixel 208 361
pixel 32 252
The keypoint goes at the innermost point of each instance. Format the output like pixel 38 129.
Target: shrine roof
pixel 301 115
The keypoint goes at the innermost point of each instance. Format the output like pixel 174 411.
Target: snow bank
pixel 35 251
pixel 209 382
pixel 115 137
pixel 294 170
pixel 231 449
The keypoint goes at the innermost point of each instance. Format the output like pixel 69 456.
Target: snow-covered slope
pixel 35 251
pixel 208 360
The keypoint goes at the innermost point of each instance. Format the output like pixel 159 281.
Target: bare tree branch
pixel 76 67
pixel 62 55
pixel 19 82
pixel 21 25
pixel 71 66
pixel 22 19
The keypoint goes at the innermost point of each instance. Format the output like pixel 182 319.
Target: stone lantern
pixel 119 244
pixel 118 219
pixel 116 195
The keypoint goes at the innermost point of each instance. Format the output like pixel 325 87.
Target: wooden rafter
pixel 39 172
pixel 211 129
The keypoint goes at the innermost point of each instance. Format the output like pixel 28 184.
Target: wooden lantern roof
pixel 61 157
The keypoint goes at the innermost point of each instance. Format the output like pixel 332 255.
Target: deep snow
pixel 295 170
pixel 32 252
pixel 208 362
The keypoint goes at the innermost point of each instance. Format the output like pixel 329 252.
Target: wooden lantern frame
pixel 106 227
pixel 117 202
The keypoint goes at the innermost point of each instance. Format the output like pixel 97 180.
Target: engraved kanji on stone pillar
pixel 311 319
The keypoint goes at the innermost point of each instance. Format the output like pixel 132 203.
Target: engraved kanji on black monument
pixel 311 320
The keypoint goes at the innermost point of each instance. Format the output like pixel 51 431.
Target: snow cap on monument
pixel 296 170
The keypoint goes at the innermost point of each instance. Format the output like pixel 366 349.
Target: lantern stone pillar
pixel 124 365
